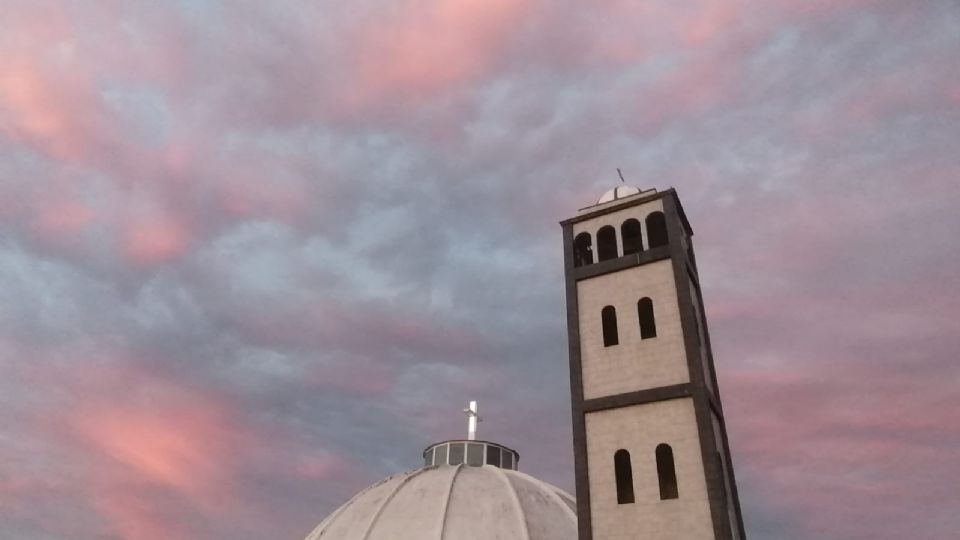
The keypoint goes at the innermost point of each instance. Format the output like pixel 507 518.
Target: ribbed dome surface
pixel 454 503
pixel 618 192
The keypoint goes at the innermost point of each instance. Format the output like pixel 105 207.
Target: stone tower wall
pixel 640 393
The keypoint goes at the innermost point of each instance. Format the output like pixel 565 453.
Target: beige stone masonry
pixel 633 364
pixel 639 429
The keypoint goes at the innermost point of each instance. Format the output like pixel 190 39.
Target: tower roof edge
pixel 615 205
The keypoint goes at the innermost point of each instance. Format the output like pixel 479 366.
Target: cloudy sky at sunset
pixel 255 255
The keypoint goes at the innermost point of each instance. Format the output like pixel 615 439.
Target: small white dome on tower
pixel 456 502
pixel 618 192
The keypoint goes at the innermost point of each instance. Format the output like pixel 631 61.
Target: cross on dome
pixel 473 416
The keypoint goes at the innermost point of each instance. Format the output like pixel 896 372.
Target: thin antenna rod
pixel 621 175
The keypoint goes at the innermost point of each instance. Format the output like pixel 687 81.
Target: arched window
pixel 624 475
pixel 666 472
pixel 631 235
pixel 608 317
pixel 582 249
pixel 648 324
pixel 656 230
pixel 607 243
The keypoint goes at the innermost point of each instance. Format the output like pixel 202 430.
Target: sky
pixel 255 256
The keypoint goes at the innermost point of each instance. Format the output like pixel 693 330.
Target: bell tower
pixel 650 443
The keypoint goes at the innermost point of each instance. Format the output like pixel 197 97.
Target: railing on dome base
pixel 473 453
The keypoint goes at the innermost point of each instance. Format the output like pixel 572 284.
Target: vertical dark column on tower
pixel 639 379
pixel 576 388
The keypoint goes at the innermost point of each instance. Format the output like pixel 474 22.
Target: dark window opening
pixel 441 455
pixel 666 472
pixel 456 453
pixel 623 472
pixel 608 318
pixel 474 454
pixel 507 460
pixel 607 243
pixel 656 230
pixel 648 323
pixel 493 456
pixel 582 250
pixel 428 458
pixel 632 237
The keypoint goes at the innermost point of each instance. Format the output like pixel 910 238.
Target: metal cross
pixel 473 417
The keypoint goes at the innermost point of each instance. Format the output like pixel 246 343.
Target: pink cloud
pixel 36 113
pixel 689 90
pixel 63 217
pixel 363 328
pixel 176 447
pixel 952 94
pixel 257 185
pixel 133 515
pixel 821 8
pixel 358 376
pixel 710 20
pixel 424 48
pixel 149 456
pixel 847 436
pixel 150 445
pixel 325 467
pixel 154 239
pixel 53 71
pixel 161 431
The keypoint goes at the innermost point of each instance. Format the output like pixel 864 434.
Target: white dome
pixel 618 192
pixel 454 502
